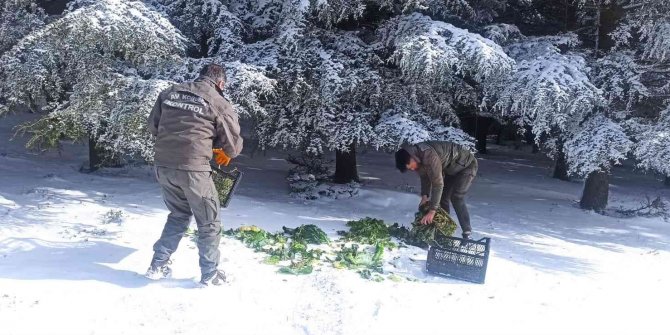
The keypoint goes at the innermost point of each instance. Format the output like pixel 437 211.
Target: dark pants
pixel 186 194
pixel 455 188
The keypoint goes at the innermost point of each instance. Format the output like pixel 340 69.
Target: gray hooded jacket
pixel 189 120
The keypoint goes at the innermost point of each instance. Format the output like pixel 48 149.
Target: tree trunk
pixel 529 137
pixel 203 46
pixel 667 181
pixel 596 191
pixel 346 169
pixel 95 155
pixel 481 132
pixel 53 7
pixel 597 42
pixel 561 167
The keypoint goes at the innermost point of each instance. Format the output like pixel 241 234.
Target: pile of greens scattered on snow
pixel 307 233
pixel 362 248
pixel 366 260
pixel 292 255
pixel 368 231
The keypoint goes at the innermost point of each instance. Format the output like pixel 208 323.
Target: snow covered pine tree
pixel 96 70
pixel 369 73
pixel 333 76
pixel 644 36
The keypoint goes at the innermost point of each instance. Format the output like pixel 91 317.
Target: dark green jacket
pixel 437 159
pixel 189 120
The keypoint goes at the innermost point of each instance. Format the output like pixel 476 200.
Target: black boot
pixel 156 272
pixel 214 278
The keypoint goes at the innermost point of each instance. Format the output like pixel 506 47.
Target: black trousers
pixel 455 189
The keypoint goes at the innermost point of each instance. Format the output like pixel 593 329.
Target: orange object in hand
pixel 220 157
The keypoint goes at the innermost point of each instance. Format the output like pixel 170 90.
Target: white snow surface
pixel 554 269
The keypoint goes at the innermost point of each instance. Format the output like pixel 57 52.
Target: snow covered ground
pixel 554 269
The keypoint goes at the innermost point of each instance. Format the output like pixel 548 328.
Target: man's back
pixel 190 119
pixel 453 157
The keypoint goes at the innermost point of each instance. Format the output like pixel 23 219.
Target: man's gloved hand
pixel 220 157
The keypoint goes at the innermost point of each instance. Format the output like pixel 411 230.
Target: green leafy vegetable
pixel 297 269
pixel 368 231
pixel 256 238
pixel 302 260
pixel 308 233
pixel 363 260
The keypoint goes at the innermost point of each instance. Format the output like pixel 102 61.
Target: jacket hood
pixel 413 151
pixel 211 83
pixel 206 79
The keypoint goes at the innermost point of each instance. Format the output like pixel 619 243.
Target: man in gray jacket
pixel 192 122
pixel 446 170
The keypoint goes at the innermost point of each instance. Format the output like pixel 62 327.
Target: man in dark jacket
pixel 446 170
pixel 192 122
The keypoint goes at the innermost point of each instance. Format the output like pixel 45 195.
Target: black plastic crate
pixel 226 182
pixel 459 258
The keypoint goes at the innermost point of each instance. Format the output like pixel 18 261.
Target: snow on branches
pixel 398 127
pixel 435 50
pixel 560 98
pixel 652 147
pixel 646 21
pixel 596 144
pixel 17 19
pixel 551 92
pixel 502 33
pixel 413 113
pixel 211 28
pixel 113 111
pixel 248 87
pixel 619 78
pixel 329 89
pixel 106 36
pixel 472 11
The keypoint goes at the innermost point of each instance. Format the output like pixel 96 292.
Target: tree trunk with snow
pixel 346 169
pixel 596 191
pixel 667 181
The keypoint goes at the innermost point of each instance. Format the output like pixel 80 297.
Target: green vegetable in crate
pixel 224 181
pixel 308 233
pixel 224 184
